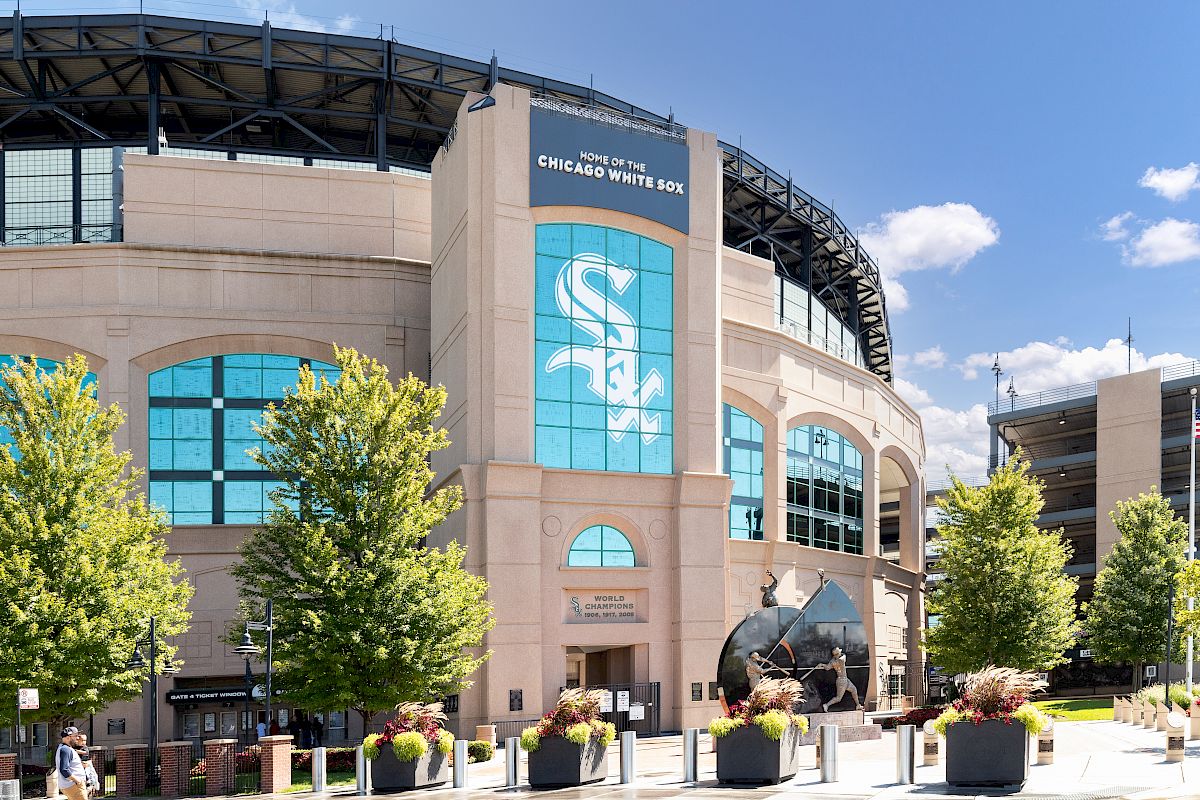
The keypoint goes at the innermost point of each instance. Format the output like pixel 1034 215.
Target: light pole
pixel 997 372
pixel 137 662
pixel 248 648
pixel 1012 394
pixel 1191 551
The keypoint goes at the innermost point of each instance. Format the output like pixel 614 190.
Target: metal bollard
pixel 1175 748
pixel 362 772
pixel 829 753
pixel 691 754
pixel 318 769
pixel 460 763
pixel 628 746
pixel 906 754
pixel 512 762
pixel 1045 744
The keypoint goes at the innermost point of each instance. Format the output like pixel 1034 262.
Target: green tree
pixel 1126 619
pixel 1005 599
pixel 82 558
pixel 366 616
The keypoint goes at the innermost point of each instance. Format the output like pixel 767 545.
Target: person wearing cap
pixel 72 778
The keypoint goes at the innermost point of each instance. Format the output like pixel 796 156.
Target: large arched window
pixel 601 546
pixel 825 490
pixel 202 416
pixel 743 457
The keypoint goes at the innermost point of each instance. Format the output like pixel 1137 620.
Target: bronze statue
pixel 757 667
pixel 842 684
pixel 768 589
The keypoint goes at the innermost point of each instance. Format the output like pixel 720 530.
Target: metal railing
pixel 1058 395
pixel 1187 369
pixel 943 484
pixel 609 118
pixel 41 235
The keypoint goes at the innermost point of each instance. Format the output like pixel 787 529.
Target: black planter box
pixel 992 753
pixel 557 763
pixel 388 774
pixel 746 755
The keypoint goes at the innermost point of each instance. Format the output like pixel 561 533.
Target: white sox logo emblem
pixel 612 362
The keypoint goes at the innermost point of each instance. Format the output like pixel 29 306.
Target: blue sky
pixel 981 148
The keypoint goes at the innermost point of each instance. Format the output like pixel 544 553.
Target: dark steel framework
pixel 106 80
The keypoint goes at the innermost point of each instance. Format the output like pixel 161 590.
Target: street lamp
pixel 247 649
pixel 138 662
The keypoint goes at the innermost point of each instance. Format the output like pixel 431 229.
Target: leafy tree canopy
pixel 82 558
pixel 366 616
pixel 1004 599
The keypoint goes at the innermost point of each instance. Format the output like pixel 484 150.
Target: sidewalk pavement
pixel 1093 761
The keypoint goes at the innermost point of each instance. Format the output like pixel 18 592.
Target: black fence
pixel 630 707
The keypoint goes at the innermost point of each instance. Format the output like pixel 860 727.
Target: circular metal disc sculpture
pixel 790 642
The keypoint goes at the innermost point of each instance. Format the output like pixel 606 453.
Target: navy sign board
pixel 575 161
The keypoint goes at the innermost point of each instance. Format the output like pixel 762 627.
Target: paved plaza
pixel 1093 760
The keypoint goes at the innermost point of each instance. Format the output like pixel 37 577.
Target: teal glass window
pixel 601 546
pixel 201 427
pixel 603 350
pixel 824 490
pixel 743 457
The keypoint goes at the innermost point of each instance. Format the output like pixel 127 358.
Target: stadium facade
pixel 669 368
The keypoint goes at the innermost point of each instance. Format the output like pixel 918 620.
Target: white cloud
pixel 926 237
pixel 284 14
pixel 955 439
pixel 1037 366
pixel 931 358
pixel 1173 184
pixel 1167 242
pixel 915 395
pixel 1116 229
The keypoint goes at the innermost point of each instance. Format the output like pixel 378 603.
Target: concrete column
pixel 1128 446
pixel 276 755
pixel 219 766
pixel 175 766
pixel 131 769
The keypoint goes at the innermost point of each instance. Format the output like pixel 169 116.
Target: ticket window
pixel 191 726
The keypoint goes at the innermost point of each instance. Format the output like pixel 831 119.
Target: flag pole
pixel 1191 531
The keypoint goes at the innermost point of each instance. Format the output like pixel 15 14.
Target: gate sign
pixel 27 699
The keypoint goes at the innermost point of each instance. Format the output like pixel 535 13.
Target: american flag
pixel 1196 425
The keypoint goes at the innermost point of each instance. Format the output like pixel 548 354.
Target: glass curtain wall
pixel 825 490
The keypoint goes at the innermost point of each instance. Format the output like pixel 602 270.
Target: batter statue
pixel 842 684
pixel 757 667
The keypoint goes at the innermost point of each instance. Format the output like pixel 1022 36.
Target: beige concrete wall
pixel 210 203
pixel 1128 446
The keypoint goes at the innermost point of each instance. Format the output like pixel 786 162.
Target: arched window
pixel 825 490
pixel 44 365
pixel 743 457
pixel 202 416
pixel 601 546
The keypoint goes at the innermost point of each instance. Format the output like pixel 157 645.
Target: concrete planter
pixel 992 753
pixel 557 763
pixel 746 755
pixel 389 774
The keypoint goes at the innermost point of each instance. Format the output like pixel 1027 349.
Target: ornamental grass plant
pixel 996 693
pixel 769 706
pixel 416 728
pixel 575 717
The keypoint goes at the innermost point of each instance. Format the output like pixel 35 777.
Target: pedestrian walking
pixel 72 779
pixel 262 729
pixel 275 727
pixel 293 729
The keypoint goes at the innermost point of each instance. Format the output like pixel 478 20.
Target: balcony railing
pixel 1023 401
pixel 41 235
pixel 1188 369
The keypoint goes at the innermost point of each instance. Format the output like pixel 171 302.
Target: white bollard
pixel 362 772
pixel 628 746
pixel 460 763
pixel 512 762
pixel 318 769
pixel 1174 728
pixel 1045 744
pixel 691 754
pixel 932 750
pixel 828 735
pixel 906 754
